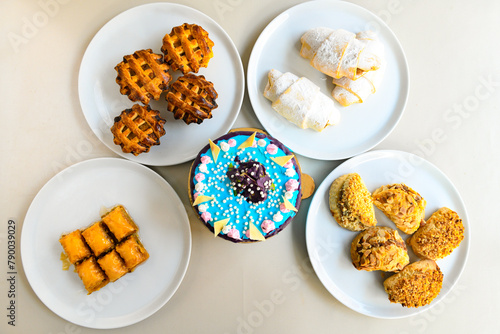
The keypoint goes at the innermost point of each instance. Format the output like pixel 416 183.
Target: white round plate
pixel 143 27
pixel 73 199
pixel 362 126
pixel 329 245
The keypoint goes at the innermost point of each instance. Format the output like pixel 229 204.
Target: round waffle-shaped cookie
pixel 192 98
pixel 245 186
pixel 416 285
pixel 143 76
pixel 187 48
pixel 379 248
pixel 137 129
pixel 439 235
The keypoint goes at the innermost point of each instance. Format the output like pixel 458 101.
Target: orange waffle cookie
pixel 187 48
pixel 137 129
pixel 192 98
pixel 143 76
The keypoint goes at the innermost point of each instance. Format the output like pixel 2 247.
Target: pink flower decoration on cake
pixel 231 142
pixel 206 216
pixel 292 185
pixel 247 233
pixel 196 194
pixel 199 177
pixel 234 233
pixel 283 208
pixel 267 226
pixel 272 149
pixel 206 159
pixel 289 164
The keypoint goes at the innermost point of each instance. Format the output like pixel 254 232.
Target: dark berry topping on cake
pixel 250 180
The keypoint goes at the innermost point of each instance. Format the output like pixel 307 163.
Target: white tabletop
pixel 451 120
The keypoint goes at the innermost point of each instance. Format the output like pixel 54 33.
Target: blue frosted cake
pixel 245 186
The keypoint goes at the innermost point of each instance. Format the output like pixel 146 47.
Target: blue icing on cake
pixel 210 179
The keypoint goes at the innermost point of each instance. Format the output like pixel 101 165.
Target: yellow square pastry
pixel 75 247
pixel 113 265
pixel 91 274
pixel 119 223
pixel 98 239
pixel 132 251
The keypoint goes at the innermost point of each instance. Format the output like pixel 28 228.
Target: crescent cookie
pixel 439 235
pixel 416 285
pixel 379 248
pixel 351 203
pixel 402 205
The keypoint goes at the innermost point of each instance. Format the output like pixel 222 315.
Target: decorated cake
pixel 245 186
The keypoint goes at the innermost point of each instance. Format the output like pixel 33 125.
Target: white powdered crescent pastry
pixel 348 91
pixel 340 53
pixel 373 53
pixel 300 101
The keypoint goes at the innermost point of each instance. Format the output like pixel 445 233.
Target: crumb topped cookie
pixel 416 285
pixel 245 186
pixel 351 203
pixel 439 235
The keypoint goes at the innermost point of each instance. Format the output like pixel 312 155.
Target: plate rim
pixel 252 69
pixel 336 292
pixel 23 250
pixel 240 78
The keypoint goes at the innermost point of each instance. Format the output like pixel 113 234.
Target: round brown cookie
pixel 308 186
pixel 191 98
pixel 137 129
pixel 143 76
pixel 187 48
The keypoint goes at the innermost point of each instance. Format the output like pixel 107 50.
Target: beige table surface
pixel 453 52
